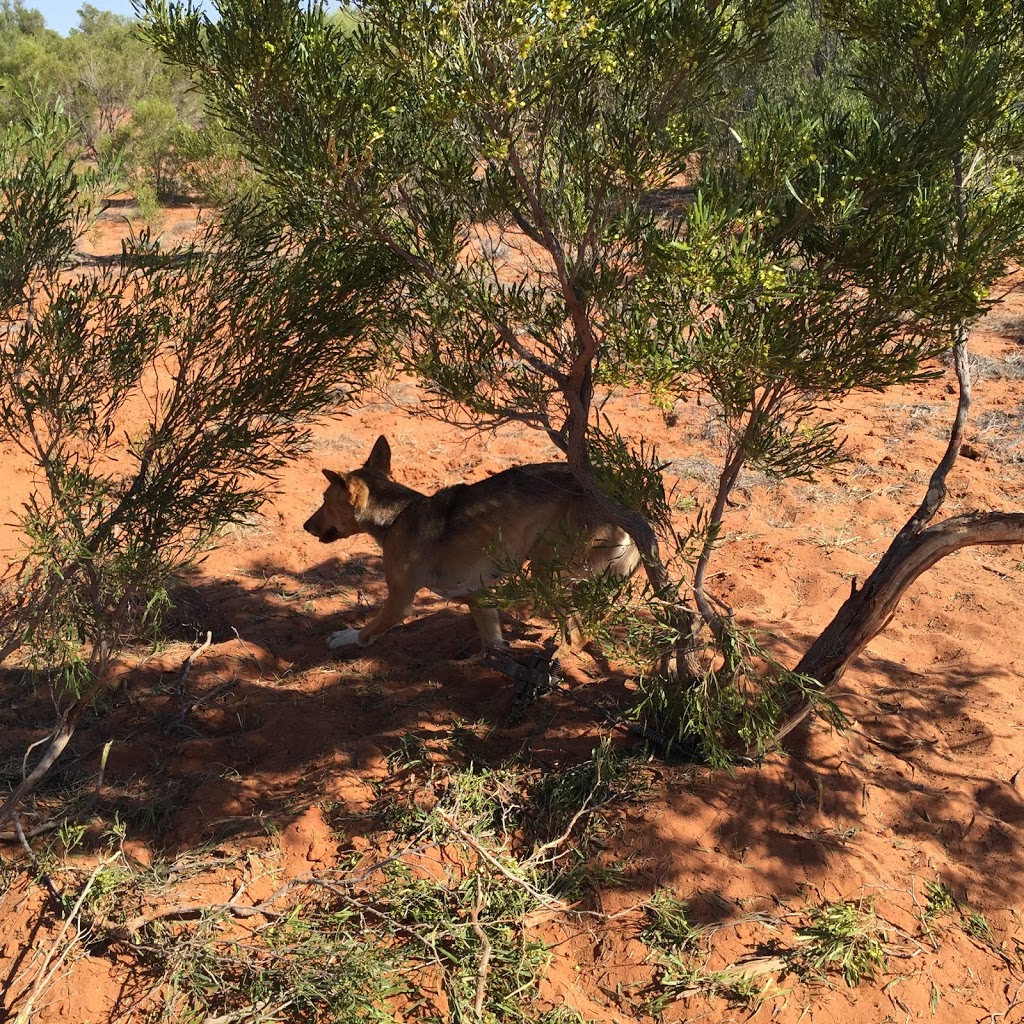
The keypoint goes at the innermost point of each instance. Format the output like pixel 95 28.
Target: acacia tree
pixel 503 152
pixel 506 155
pixel 950 77
pixel 846 250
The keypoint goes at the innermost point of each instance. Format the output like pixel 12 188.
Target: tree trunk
pixel 867 611
pixel 682 662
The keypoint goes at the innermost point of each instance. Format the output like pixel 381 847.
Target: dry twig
pixel 483 965
pixel 45 973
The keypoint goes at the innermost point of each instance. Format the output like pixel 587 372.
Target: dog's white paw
pixel 343 638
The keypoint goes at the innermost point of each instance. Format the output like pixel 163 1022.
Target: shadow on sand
pixel 267 724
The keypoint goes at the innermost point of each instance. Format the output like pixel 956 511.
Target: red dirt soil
pixel 925 785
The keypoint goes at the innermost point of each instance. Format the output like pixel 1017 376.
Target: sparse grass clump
pixel 940 901
pixel 844 937
pixel 315 964
pixel 669 926
pixel 1004 432
pixel 431 926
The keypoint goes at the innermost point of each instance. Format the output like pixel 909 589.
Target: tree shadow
pixel 267 724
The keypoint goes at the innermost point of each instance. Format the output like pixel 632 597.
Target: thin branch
pixel 34 861
pixel 585 808
pixel 59 739
pixel 467 837
pixel 483 964
pixel 45 973
pixel 39 830
pixel 936 493
pixel 128 929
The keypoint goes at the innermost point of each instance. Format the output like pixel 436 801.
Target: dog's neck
pixel 388 502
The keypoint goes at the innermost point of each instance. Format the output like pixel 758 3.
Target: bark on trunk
pixel 913 550
pixel 867 611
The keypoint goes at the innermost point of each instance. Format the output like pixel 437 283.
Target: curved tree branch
pixel 866 612
pixel 915 549
pixel 936 493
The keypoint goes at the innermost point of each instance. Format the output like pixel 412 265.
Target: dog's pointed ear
pixel 380 457
pixel 358 493
pixel 334 478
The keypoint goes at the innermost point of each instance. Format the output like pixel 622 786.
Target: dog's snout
pixel 323 533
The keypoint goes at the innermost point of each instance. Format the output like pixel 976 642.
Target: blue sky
pixel 62 15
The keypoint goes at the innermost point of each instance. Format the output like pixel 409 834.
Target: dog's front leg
pixel 394 611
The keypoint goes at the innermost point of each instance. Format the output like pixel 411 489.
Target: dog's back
pixel 463 535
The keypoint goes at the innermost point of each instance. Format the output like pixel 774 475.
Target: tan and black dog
pixel 454 541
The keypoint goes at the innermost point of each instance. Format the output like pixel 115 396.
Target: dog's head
pixel 348 496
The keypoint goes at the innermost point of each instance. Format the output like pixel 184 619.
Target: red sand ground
pixel 926 784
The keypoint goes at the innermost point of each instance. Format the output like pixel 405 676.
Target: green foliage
pixel 504 129
pixel 29 65
pixel 958 62
pixel 134 113
pixel 43 203
pixel 627 474
pixel 976 925
pixel 844 936
pixel 669 927
pixel 17 18
pixel 951 76
pixel 154 140
pixel 439 921
pixel 809 62
pixel 212 357
pixel 315 961
pixel 438 912
pixel 682 980
pixel 562 1015
pixel 940 900
pixel 733 707
pixel 557 799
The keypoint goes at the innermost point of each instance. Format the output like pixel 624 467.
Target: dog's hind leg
pixel 612 549
pixel 487 623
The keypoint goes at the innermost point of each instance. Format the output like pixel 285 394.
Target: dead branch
pixel 65 727
pixel 248 1012
pixel 188 662
pixel 39 830
pixel 44 876
pixel 541 897
pixel 184 705
pixel 744 971
pixel 45 973
pixel 59 739
pixel 128 930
